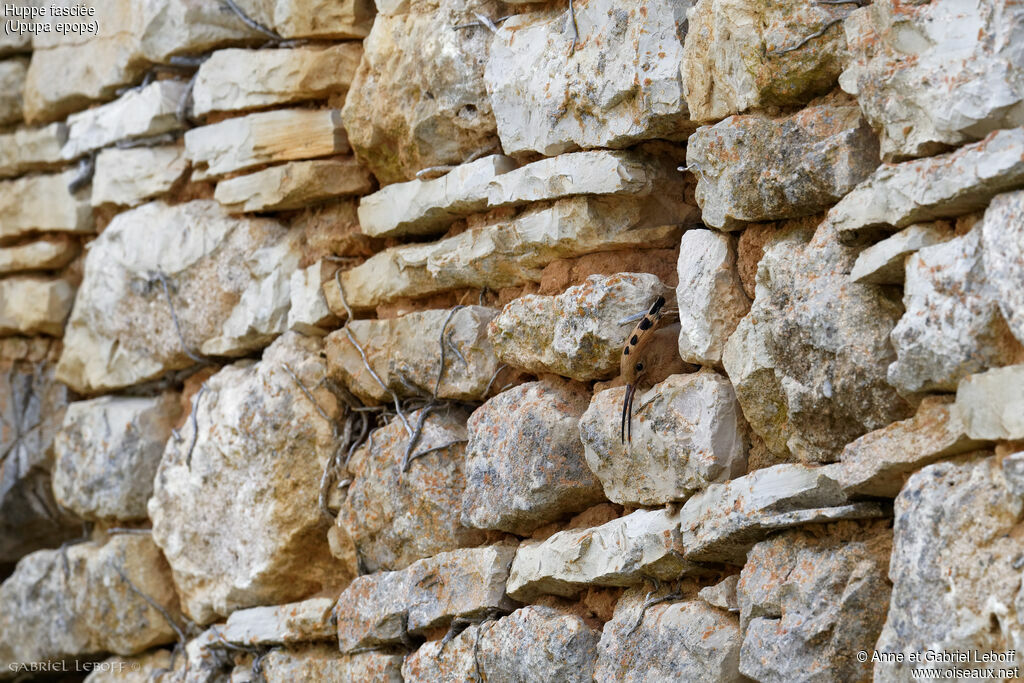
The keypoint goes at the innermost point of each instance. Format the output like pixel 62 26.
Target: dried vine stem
pixel 252 23
pixel 154 604
pixel 820 32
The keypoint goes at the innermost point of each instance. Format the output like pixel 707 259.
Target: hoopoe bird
pixel 637 360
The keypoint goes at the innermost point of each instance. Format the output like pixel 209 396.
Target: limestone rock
pixel 259 439
pixel 12 81
pixel 878 463
pixel 153 110
pixel 809 361
pixel 739 55
pixel 742 178
pixel 952 326
pixel 227 278
pixel 508 253
pixel 709 295
pixel 395 517
pixel 683 640
pixel 619 553
pixel 34 305
pixel 429 206
pixel 419 99
pixel 1002 239
pixel 235 80
pixel 620 85
pixel 128 177
pixel 309 313
pixel 294 185
pixel 928 76
pixel 721 523
pixel 455 661
pixel 381 608
pixel 48 253
pixel 991 404
pixel 885 263
pixel 15 42
pixel 808 602
pixel 32 149
pixel 106 454
pixel 686 434
pixel 325 663
pixel 296 622
pixel 723 594
pixel 144 668
pixel 947 512
pixel 539 643
pixel 41 203
pixel 408 348
pixel 32 406
pixel 263 138
pixel 943 186
pixel 330 19
pixel 577 333
pixel 524 462
pixel 52 611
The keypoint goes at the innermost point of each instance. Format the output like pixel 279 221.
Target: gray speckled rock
pixel 525 465
pixel 394 517
pixel 683 640
pixel 325 663
pixel 577 333
pixel 885 263
pixel 295 622
pixel 954 568
pixel 107 452
pixel 686 434
pixel 723 594
pixel 742 177
pixel 1002 240
pixel 809 601
pixel 809 361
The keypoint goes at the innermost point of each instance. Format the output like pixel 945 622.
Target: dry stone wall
pixel 311 328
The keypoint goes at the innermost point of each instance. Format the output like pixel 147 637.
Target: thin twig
pixel 154 604
pixel 255 25
pixel 492 25
pixel 651 602
pixel 302 387
pixel 414 439
pixel 174 316
pixel 149 141
pixel 816 34
pixel 124 530
pixel 195 426
pixel 440 369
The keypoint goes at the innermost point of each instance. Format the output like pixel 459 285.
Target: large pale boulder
pixel 524 462
pixel 936 74
pixel 686 434
pixel 576 333
pixel 745 54
pixel 34 305
pixel 418 99
pixel 234 505
pixel 991 404
pixel 742 177
pixel 43 203
pixel 227 279
pixel 618 84
pixel 32 149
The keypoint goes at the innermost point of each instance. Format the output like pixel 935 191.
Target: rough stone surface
pixel 684 640
pixel 259 439
pixel 419 99
pixel 428 206
pixel 829 149
pixel 938 74
pixel 885 263
pixel 12 81
pixel 34 305
pixel 686 434
pixel 621 85
pixel 152 110
pixel 723 594
pixel 50 615
pixel 296 622
pixel 381 608
pixel 524 462
pixel 709 295
pixel 262 138
pixel 32 149
pixel 942 186
pixel 313 18
pixel 941 601
pixel 294 185
pixel 227 278
pixel 144 668
pixel 808 602
pixel 878 463
pixel 952 326
pixel 507 253
pixel 737 55
pixel 1002 239
pixel 309 313
pixel 41 203
pixel 577 333
pixel 808 362
pixel 234 80
pixel 721 523
pixel 106 454
pixel 128 177
pixel 618 553
pixel 395 517
pixel 48 253
pixel 32 406
pixel 14 42
pixel 325 663
pixel 991 404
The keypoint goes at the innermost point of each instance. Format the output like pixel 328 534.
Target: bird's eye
pixel 639 367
